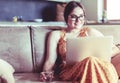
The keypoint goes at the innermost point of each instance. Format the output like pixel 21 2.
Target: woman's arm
pixel 51 50
pixel 94 32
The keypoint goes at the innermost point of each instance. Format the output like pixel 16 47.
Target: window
pixel 112 7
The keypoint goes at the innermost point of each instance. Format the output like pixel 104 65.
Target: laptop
pixel 78 49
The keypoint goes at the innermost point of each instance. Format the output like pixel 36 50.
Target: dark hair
pixel 69 8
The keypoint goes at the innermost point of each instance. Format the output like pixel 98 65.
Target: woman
pixel 90 69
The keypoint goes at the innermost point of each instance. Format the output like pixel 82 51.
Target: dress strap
pixel 62 45
pixel 83 32
pixel 62 33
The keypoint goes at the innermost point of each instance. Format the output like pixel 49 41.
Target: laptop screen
pixel 80 48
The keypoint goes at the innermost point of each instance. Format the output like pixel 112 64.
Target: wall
pixel 28 9
pixel 93 9
pixel 32 9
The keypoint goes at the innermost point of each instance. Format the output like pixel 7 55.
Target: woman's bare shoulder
pixel 55 34
pixel 94 32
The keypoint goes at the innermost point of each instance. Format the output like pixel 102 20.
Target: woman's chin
pixel 78 27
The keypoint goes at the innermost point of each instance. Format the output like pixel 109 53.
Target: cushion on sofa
pixel 39 43
pixel 39 37
pixel 15 48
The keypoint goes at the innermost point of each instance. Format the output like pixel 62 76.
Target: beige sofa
pixel 111 30
pixel 24 47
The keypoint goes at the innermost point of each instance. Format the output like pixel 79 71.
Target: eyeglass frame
pixel 81 17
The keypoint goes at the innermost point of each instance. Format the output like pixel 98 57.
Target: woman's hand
pixel 42 77
pixel 46 76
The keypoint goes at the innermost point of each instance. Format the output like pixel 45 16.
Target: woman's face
pixel 76 18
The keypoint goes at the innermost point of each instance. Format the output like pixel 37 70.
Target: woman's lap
pixel 90 69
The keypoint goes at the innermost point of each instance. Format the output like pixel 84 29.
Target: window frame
pixel 105 8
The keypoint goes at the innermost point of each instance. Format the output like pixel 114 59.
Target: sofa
pixel 24 47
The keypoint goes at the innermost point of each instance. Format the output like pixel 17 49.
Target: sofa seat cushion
pixel 26 77
pixel 31 78
pixel 34 78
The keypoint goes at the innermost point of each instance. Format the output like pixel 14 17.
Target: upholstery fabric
pixel 15 48
pixel 39 38
pixel 24 47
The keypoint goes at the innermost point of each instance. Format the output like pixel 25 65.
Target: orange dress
pixel 89 70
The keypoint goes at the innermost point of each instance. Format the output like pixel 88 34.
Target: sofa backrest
pixel 40 35
pixel 25 47
pixel 39 44
pixel 15 48
pixel 108 30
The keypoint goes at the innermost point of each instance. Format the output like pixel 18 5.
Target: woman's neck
pixel 73 30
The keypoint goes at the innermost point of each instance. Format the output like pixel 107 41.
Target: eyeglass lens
pixel 75 17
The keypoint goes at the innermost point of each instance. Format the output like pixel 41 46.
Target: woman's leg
pixel 90 70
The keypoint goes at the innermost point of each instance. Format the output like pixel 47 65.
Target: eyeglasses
pixel 75 17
